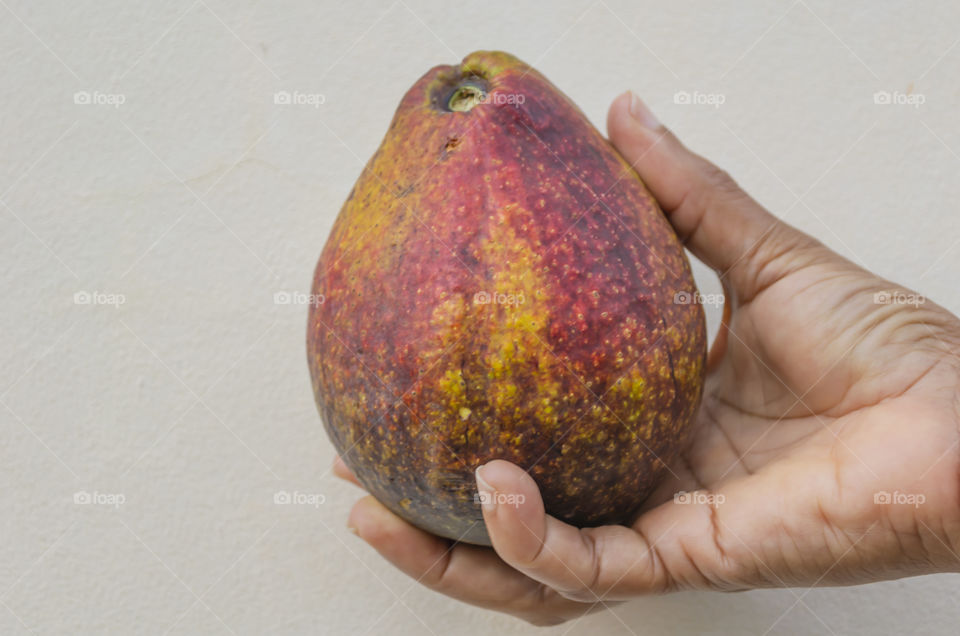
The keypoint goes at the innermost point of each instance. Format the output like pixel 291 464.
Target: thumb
pixel 720 223
pixel 674 546
pixel 547 550
pixel 727 539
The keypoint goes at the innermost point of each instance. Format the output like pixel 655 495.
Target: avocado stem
pixel 465 97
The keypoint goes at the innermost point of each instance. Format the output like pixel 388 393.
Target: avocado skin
pixel 501 285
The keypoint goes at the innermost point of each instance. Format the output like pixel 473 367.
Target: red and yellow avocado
pixel 500 285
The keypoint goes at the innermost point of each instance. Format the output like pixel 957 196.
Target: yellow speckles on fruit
pixel 405 503
pixel 465 413
pixel 452 384
pixel 512 327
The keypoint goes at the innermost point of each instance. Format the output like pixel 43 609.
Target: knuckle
pixel 725 567
pixel 716 177
pixel 586 589
pixel 721 180
pixel 439 577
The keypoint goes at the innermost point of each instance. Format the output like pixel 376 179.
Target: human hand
pixel 825 451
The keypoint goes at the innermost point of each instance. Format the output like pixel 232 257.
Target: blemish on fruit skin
pixel 526 374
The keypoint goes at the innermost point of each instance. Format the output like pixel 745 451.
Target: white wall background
pixel 198 199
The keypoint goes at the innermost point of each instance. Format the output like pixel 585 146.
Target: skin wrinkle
pixel 696 478
pixel 687 237
pixel 924 321
pixel 585 592
pixel 531 562
pixel 831 278
pixel 445 562
pixel 730 443
pixel 730 405
pixel 713 423
pixel 776 427
pixel 918 540
pixel 828 528
pixel 838 485
pixel 669 581
pixel 760 355
pixel 715 533
pixel 920 378
pixel 696 568
pixel 853 293
pixel 760 280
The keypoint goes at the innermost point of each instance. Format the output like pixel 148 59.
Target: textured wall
pixel 177 395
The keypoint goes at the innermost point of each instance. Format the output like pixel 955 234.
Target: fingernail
pixel 353 530
pixel 486 492
pixel 643 115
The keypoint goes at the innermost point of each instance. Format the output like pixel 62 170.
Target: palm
pixel 807 359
